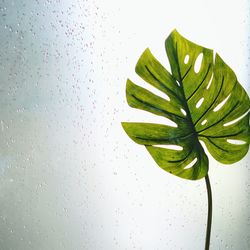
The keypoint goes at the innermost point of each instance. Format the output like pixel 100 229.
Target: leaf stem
pixel 209 216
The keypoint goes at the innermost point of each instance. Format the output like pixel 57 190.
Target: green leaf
pixel 205 102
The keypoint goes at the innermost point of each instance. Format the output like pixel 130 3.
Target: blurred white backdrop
pixel 70 178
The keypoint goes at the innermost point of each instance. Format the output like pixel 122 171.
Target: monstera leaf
pixel 204 101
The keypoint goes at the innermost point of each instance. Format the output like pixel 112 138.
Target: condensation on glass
pixel 69 176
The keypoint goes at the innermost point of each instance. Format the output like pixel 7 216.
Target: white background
pixel 70 178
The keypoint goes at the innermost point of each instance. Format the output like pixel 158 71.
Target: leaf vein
pixel 183 159
pixel 186 73
pixel 200 83
pixel 217 145
pixel 208 109
pixel 221 118
pixel 162 84
pixel 156 108
pixel 222 136
pixel 165 139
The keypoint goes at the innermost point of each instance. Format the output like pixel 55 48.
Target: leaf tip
pixel 125 126
pixel 142 60
pixel 218 60
pixel 174 31
pixel 128 84
pixel 128 130
pixel 217 57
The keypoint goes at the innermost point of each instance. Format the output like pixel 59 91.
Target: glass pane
pixel 70 178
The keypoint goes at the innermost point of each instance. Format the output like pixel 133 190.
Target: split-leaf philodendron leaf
pixel 206 103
